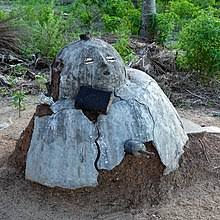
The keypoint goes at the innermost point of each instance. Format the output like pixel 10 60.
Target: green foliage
pixel 3 15
pixel 85 16
pixel 50 29
pixel 18 100
pixel 122 46
pixel 162 5
pixel 183 8
pixel 120 15
pixel 204 3
pixel 195 25
pixel 134 16
pixel 116 8
pixel 171 21
pixel 46 28
pixel 48 36
pixel 213 11
pixel 165 26
pixel 200 41
pixel 111 22
pixel 177 14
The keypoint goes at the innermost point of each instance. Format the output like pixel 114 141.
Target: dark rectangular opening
pixel 94 100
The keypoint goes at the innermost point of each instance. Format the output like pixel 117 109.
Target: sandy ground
pixel 203 117
pixel 193 192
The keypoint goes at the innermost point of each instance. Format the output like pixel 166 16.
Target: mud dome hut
pixel 99 111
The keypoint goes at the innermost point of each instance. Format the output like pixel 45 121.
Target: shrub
pixel 48 34
pixel 165 26
pixel 111 22
pixel 120 15
pixel 46 29
pixel 116 8
pixel 122 46
pixel 134 20
pixel 200 41
pixel 49 29
pixel 162 5
pixel 204 3
pixel 18 101
pixel 183 8
pixel 176 15
pixel 3 15
pixel 84 16
pixel 185 11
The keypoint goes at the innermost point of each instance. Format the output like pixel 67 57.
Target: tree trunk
pixel 148 19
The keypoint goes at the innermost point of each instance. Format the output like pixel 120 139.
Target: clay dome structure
pixel 100 111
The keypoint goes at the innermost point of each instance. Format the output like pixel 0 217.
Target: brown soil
pixel 134 190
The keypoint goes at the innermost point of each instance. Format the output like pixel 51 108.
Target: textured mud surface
pixel 134 190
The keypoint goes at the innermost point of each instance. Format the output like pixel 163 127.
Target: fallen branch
pixel 198 96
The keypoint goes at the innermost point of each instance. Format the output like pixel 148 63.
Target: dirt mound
pixel 133 184
pixel 134 190
pixel 135 180
pixel 138 181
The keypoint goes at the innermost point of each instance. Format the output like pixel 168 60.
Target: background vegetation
pixel 191 27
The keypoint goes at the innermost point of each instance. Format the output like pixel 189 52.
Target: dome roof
pixel 93 63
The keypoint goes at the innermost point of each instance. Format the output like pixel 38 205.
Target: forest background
pixel 189 28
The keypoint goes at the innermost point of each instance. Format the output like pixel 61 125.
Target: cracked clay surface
pixel 72 146
pixel 101 144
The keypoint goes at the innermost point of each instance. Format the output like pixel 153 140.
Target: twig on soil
pixel 198 96
pixel 204 149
